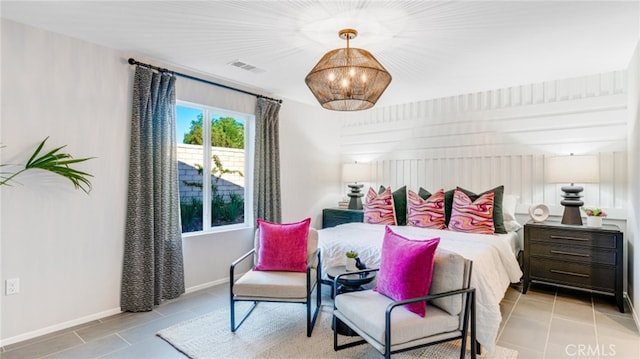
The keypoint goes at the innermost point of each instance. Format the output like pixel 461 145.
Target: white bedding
pixel 494 264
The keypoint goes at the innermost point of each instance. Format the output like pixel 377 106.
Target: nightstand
pixel 332 217
pixel 574 256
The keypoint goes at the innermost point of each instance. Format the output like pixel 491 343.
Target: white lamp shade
pixel 572 169
pixel 356 172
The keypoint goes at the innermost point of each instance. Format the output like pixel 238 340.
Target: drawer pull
pixel 569 273
pixel 570 253
pixel 570 238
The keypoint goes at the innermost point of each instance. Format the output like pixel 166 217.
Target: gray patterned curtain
pixel 152 266
pixel 266 189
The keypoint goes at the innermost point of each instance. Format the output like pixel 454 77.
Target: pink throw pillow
pixel 406 268
pixel 426 213
pixel 379 208
pixel 283 247
pixel 472 217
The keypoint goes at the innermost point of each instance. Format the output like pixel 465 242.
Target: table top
pixel 355 279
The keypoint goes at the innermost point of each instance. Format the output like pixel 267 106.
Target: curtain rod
pixel 132 61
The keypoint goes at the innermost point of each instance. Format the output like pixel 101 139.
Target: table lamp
pixel 572 169
pixel 353 173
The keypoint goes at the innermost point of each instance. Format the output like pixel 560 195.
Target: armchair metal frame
pixel 311 321
pixel 468 324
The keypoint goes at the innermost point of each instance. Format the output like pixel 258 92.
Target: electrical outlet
pixel 12 286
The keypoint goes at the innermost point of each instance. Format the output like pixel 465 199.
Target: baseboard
pixel 206 285
pixel 634 314
pixel 92 317
pixel 57 327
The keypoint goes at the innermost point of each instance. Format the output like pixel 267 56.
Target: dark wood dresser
pixel 332 217
pixel 575 256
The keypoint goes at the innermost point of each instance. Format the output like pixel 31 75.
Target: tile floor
pixel 547 322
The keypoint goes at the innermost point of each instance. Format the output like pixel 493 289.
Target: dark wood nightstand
pixel 575 256
pixel 332 217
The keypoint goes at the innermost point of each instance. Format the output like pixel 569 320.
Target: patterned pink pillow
pixel 472 217
pixel 406 268
pixel 379 208
pixel 426 213
pixel 283 247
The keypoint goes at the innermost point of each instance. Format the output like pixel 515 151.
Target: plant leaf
pixel 57 163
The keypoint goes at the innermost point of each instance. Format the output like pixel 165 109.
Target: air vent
pixel 245 66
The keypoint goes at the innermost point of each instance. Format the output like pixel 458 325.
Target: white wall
pixel 310 157
pixel 65 246
pixel 501 136
pixel 633 225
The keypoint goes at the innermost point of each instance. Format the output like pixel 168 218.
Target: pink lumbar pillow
pixel 283 247
pixel 406 267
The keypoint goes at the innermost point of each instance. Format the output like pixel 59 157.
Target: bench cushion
pixel 366 310
pixel 270 284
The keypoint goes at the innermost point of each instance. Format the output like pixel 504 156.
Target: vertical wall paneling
pixel 501 136
pixel 521 175
pixel 620 182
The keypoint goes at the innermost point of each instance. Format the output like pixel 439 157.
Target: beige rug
pixel 278 331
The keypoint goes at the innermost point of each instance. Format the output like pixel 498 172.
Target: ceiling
pixel 431 48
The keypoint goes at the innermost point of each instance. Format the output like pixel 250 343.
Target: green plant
pixel 594 212
pixel 352 254
pixel 217 207
pixel 235 207
pixel 191 214
pixel 217 170
pixel 54 162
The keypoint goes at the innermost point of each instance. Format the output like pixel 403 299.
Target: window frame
pixel 249 153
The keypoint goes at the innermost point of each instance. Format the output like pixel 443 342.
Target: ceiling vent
pixel 245 66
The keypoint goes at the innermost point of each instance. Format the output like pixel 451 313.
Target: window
pixel 221 148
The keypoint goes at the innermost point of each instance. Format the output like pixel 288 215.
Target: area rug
pixel 278 331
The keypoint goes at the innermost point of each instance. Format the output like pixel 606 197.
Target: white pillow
pixel 509 202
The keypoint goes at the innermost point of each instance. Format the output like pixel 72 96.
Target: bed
pixel 494 262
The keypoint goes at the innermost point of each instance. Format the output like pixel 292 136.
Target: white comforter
pixel 494 265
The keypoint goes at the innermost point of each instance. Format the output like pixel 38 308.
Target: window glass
pixel 227 169
pixel 217 147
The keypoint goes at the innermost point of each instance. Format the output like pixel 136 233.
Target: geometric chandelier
pixel 348 79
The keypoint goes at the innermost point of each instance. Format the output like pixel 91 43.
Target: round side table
pixel 351 282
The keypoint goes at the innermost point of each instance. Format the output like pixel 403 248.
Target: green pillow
pixel 423 193
pixel 448 204
pixel 498 193
pixel 399 203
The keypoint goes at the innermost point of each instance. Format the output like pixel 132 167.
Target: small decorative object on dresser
pixel 539 212
pixel 594 216
pixel 575 256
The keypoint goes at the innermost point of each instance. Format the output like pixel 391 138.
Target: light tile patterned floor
pixel 547 323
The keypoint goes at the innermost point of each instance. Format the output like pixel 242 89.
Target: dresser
pixel 332 217
pixel 574 256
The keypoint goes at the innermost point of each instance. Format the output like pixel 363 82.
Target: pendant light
pixel 348 79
